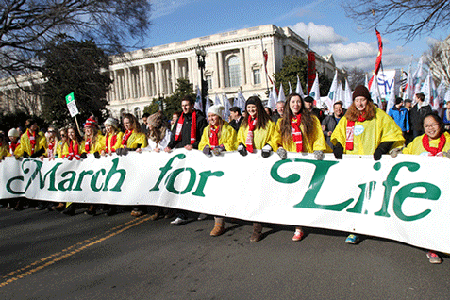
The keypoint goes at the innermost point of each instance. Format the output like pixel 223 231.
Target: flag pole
pixel 265 65
pixel 307 68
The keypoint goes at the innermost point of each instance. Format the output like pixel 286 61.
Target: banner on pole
pixel 70 101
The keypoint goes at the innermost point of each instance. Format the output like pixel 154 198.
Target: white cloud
pixel 163 7
pixel 300 11
pixel 320 34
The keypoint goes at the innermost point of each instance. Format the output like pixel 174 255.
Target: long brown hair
pixel 353 113
pixel 307 120
pixel 261 114
pixel 78 137
pixel 134 121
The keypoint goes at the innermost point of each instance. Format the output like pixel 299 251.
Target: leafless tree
pixel 26 27
pixel 438 60
pixel 355 77
pixel 409 18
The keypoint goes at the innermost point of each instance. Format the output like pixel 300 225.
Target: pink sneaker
pixel 298 235
pixel 433 257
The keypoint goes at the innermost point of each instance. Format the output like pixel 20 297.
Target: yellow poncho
pixel 369 134
pixel 135 139
pixel 25 145
pixel 117 145
pixel 227 138
pixel 416 146
pixel 261 136
pixel 65 150
pixel 310 144
pixel 4 150
pixel 98 145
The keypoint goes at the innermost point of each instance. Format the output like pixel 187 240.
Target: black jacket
pixel 418 115
pixel 186 131
pixel 236 125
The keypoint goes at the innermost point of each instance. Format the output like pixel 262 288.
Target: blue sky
pixel 324 20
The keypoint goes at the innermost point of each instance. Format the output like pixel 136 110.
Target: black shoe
pixel 111 211
pixel 40 206
pixel 70 211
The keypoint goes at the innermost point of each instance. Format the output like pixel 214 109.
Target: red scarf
pixel 113 142
pixel 32 139
pixel 73 151
pixel 87 145
pixel 433 151
pixel 13 146
pixel 126 136
pixel 50 152
pixel 180 126
pixel 249 139
pixel 297 137
pixel 350 132
pixel 214 136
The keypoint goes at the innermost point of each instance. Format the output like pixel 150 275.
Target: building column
pixel 221 71
pixel 152 81
pixel 243 66
pixel 159 77
pixel 127 85
pixel 172 75
pixel 177 69
pixel 141 82
pixel 216 76
pixel 145 83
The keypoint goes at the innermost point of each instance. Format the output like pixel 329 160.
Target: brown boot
pixel 256 235
pixel 61 206
pixel 154 216
pixel 218 229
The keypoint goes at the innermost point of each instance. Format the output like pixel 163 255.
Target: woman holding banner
pixel 217 137
pixel 299 131
pixel 435 142
pixel 73 149
pixel 133 140
pixel 365 130
pixel 257 132
pixel 114 136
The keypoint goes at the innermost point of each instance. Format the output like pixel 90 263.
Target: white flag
pixel 348 99
pixel 375 92
pixel 272 103
pixel 299 89
pixel 198 100
pixel 333 93
pixel 217 100
pixel 391 102
pixel 241 102
pixel 207 105
pixel 281 96
pixel 417 77
pixel 290 88
pixel 226 105
pixel 366 81
pixel 315 91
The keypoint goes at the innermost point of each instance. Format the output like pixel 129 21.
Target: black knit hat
pixel 362 91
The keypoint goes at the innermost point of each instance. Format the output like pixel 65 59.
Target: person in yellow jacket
pixel 61 142
pixel 4 147
pixel 217 137
pixel 113 138
pixel 365 130
pixel 51 135
pixel 299 131
pixel 257 131
pixel 435 142
pixel 133 140
pixel 32 142
pixel 72 149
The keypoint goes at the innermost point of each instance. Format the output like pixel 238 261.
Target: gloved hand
pixel 319 155
pixel 282 153
pixel 266 150
pixel 83 155
pixel 122 151
pixel 207 151
pixel 218 150
pixel 96 155
pixel 338 150
pixel 383 148
pixel 241 149
pixel 396 151
pixel 377 154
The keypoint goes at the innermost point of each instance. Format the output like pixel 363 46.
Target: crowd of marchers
pixel 410 127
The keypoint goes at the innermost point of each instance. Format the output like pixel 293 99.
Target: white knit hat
pixel 13 132
pixel 217 110
pixel 112 122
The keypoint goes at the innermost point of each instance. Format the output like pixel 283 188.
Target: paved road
pixel 46 255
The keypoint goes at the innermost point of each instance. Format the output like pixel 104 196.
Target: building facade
pixel 234 62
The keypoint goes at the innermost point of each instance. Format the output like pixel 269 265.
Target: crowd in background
pixel 411 127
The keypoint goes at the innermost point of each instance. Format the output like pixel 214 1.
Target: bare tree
pixel 438 60
pixel 409 18
pixel 27 26
pixel 355 77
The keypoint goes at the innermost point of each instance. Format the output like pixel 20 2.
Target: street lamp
pixel 201 54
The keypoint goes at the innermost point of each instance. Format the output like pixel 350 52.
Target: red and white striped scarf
pixel 297 137
pixel 32 139
pixel 13 146
pixel 350 131
pixel 249 140
pixel 180 126
pixel 73 151
pixel 126 136
pixel 113 142
pixel 214 136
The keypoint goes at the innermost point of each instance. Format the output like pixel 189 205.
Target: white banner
pixel 403 199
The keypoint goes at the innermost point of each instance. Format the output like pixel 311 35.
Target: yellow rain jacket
pixel 310 144
pixel 135 139
pixel 25 145
pixel 4 150
pixel 98 146
pixel 261 137
pixel 118 143
pixel 369 134
pixel 59 149
pixel 416 146
pixel 65 150
pixel 227 138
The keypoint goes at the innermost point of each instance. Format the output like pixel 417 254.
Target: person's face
pixel 213 119
pixel 13 139
pixel 280 108
pixel 447 105
pixel 71 133
pixel 308 105
pixel 33 127
pixel 417 98
pixel 62 134
pixel 361 103
pixel 127 124
pixel 174 118
pixel 432 128
pixel 408 104
pixel 186 106
pixel 233 115
pixel 109 129
pixel 144 120
pixel 338 110
pixel 88 131
pixel 252 110
pixel 295 104
pixel 400 104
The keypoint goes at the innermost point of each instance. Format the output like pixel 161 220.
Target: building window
pixel 234 71
pixel 209 81
pixel 256 76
